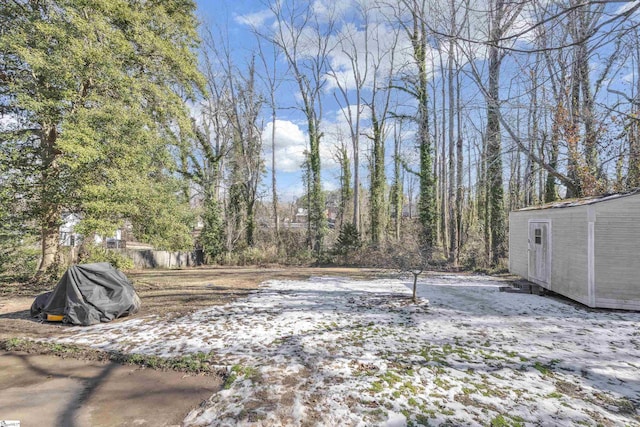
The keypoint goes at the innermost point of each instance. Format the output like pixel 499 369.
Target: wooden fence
pixel 147 258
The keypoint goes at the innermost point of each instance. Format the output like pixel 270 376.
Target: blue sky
pixel 231 17
pixel 291 137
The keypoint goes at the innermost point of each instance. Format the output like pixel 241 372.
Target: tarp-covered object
pixel 89 294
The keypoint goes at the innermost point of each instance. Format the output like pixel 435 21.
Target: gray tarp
pixel 89 294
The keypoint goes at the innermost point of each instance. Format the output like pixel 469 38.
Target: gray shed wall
pixel 617 253
pixel 614 272
pixel 568 243
pixel 518 244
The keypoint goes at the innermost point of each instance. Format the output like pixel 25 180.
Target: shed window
pixel 538 236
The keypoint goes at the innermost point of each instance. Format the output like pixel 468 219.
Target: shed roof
pixel 568 203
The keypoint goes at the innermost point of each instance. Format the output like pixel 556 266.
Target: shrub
pixel 289 248
pixel 349 239
pixel 93 253
pixel 19 263
pixel 473 255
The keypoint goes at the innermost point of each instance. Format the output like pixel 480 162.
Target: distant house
pixel 587 249
pixel 298 220
pixel 301 216
pixel 69 237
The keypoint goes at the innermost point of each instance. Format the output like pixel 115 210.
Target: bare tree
pixel 350 85
pixel 382 58
pixel 270 76
pixel 305 41
pixel 341 155
pixel 397 187
pixel 411 17
pixel 410 257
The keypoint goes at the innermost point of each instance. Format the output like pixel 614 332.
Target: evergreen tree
pixel 346 191
pixel 93 93
pixel 212 236
pixel 349 239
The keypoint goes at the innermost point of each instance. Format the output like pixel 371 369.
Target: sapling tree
pixel 410 257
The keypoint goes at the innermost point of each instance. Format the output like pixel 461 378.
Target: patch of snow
pixel 396 420
pixel 334 351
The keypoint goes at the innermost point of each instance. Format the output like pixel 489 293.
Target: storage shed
pixel 587 250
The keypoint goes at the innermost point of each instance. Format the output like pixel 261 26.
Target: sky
pixel 236 18
pixel 291 138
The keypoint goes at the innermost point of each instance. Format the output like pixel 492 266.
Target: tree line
pixel 451 112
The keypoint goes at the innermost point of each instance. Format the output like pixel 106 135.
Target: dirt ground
pixel 42 390
pixel 165 293
pixel 92 393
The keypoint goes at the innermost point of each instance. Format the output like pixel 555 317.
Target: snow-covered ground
pixel 340 352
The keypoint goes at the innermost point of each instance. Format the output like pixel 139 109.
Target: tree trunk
pixel 356 181
pixel 397 193
pixel 51 216
pixel 276 220
pixel 445 183
pixel 550 193
pixel 453 226
pixel 494 145
pixel 459 179
pixel 316 198
pixel 377 181
pixel 50 243
pixel 250 223
pixel 426 205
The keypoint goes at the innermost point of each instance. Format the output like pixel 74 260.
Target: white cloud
pixel 254 20
pixel 195 110
pixel 377 48
pixel 290 144
pixel 325 11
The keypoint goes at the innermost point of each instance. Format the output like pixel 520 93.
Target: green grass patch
pixel 200 363
pixel 409 388
pixel 391 378
pixel 239 371
pixel 49 348
pixel 543 369
pixel 506 421
pixel 468 390
pixel 421 420
pixel 444 384
pixel 377 387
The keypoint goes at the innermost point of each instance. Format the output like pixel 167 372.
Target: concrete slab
pixel 50 391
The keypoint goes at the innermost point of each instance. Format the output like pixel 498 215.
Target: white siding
pixel 617 253
pixel 615 269
pixel 518 246
pixel 568 246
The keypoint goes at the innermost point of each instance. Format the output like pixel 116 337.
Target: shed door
pixel 540 252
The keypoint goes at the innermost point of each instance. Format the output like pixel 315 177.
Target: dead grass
pixel 164 293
